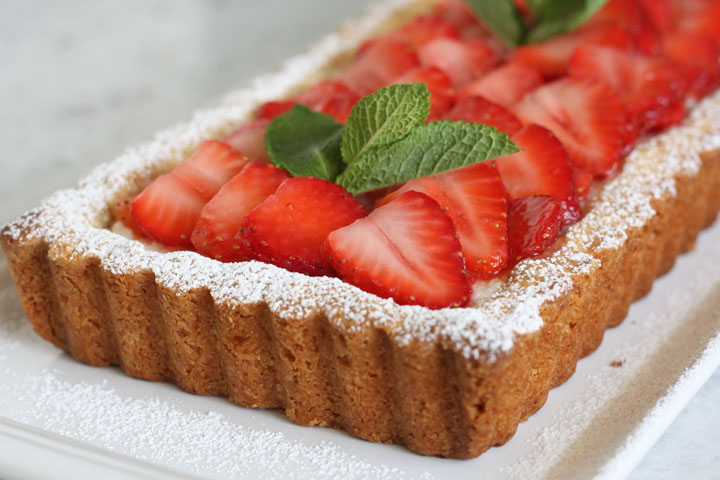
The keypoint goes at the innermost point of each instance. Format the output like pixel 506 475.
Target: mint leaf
pixel 429 149
pixel 383 118
pixel 556 17
pixel 501 17
pixel 305 142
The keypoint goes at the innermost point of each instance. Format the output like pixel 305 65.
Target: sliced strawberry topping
pixel 541 168
pixel 423 29
pixel 583 181
pixel 505 85
pixel 442 94
pixel 288 228
pixel 250 139
pixel 378 64
pixel 701 68
pixel 630 15
pixel 331 97
pixel 648 86
pixel 212 164
pixel 551 56
pixel 406 250
pixel 167 211
pixel 122 214
pixel 701 17
pixel 169 207
pixel 586 116
pixel 534 224
pixel 461 16
pixel 658 12
pixel 475 199
pixel 462 60
pixel 270 110
pixel 480 110
pixel 220 220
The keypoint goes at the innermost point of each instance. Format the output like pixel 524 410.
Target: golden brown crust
pixel 427 396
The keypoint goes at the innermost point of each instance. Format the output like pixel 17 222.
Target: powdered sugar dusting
pixel 74 221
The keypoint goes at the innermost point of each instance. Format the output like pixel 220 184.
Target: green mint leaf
pixel 556 17
pixel 429 149
pixel 501 17
pixel 305 142
pixel 383 118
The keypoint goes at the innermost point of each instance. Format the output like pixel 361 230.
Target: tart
pixel 450 381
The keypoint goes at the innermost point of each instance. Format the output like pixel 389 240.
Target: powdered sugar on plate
pixel 74 223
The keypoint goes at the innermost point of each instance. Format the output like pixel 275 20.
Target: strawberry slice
pixel 630 15
pixel 480 110
pixel 658 12
pixel 583 181
pixel 169 207
pixel 475 199
pixel 462 60
pixel 701 17
pixel 701 68
pixel 442 94
pixel 460 15
pixel 423 29
pixel 250 139
pixel 405 250
pixel 541 168
pixel 378 64
pixel 534 224
pixel 270 110
pixel 288 228
pixel 551 56
pixel 586 116
pixel 221 219
pixel 212 164
pixel 121 213
pixel 505 85
pixel 648 86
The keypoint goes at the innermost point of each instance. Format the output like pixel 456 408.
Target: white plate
pixel 598 424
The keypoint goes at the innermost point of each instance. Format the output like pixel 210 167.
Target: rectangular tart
pixel 450 382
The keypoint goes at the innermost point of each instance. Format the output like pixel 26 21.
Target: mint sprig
pixel 305 143
pixel 551 18
pixel 386 141
pixel 502 18
pixel 429 149
pixel 384 118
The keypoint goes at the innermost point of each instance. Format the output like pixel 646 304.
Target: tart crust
pixel 452 382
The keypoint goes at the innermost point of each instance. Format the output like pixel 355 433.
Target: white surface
pixel 94 77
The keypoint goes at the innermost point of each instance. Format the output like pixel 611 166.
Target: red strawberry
pixel 586 116
pixel 378 64
pixel 583 181
pixel 630 15
pixel 480 110
pixel 462 60
pixel 541 168
pixel 122 214
pixel 701 67
pixel 534 224
pixel 212 164
pixel 505 85
pixel 658 12
pixel 250 139
pixel 460 15
pixel 288 228
pixel 169 207
pixel 270 110
pixel 423 29
pixel 701 17
pixel 647 85
pixel 442 94
pixel 475 199
pixel 331 97
pixel 221 219
pixel 405 250
pixel 551 56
